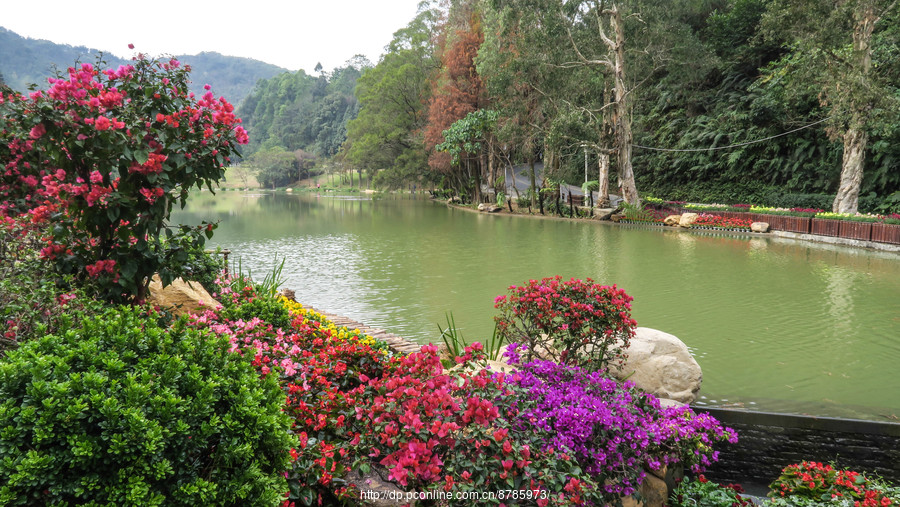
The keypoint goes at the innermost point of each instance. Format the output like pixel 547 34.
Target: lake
pixel 776 324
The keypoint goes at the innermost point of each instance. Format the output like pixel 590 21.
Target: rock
pixel 375 491
pixel 603 213
pixel 653 491
pixel 661 364
pixel 687 219
pixel 454 200
pixel 489 208
pixel 672 220
pixel 615 217
pixel 759 227
pixel 666 403
pixel 180 297
pixel 499 366
pixel 444 353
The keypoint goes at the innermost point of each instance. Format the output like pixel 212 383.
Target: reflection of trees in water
pixel 839 284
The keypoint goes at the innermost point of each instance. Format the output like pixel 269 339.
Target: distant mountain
pixel 24 61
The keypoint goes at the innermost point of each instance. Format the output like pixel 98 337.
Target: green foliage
pixel 636 213
pixel 204 267
pixel 386 135
pixel 33 300
pixel 299 111
pixel 467 135
pixel 456 344
pixel 752 193
pixel 702 492
pixel 116 410
pixel 274 167
pixel 262 298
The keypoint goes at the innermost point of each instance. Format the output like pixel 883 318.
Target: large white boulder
pixel 661 364
pixel 688 219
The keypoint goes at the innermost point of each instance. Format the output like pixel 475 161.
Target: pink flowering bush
pixel 573 322
pixel 102 156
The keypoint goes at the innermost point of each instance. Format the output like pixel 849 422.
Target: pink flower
pixel 131 46
pixel 96 177
pixel 101 123
pixel 37 131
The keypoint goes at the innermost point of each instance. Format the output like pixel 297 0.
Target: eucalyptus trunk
pixel 624 137
pixel 847 199
pixel 855 137
pixel 603 180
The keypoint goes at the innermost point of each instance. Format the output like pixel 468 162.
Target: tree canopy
pixel 767 101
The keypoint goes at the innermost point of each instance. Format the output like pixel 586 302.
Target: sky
pixel 294 34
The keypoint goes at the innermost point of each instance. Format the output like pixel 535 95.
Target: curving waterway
pixel 776 324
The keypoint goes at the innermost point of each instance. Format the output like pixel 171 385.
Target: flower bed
pixel 858 226
pixel 556 434
pixel 710 221
pixel 804 484
pixel 855 230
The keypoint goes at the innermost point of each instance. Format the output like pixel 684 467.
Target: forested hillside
pixel 301 114
pixel 764 101
pixel 25 61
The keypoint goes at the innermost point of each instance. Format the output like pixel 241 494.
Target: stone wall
pixel 769 442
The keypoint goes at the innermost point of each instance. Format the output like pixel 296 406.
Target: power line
pixel 732 145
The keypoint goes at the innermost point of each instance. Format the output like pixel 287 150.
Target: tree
pixel 579 48
pixel 831 44
pixel 471 139
pixel 107 153
pixel 275 167
pixel 386 136
pixel 457 92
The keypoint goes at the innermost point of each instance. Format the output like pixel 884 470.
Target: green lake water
pixel 776 324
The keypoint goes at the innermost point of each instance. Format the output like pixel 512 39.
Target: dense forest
pixel 777 102
pixel 25 61
pixel 298 119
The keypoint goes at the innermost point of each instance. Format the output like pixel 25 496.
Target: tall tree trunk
pixel 624 138
pixel 533 177
pixel 847 199
pixel 856 138
pixel 603 179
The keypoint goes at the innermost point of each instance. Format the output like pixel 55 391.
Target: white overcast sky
pixel 295 34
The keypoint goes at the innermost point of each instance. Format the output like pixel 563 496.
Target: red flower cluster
pixel 816 481
pixel 585 324
pixel 710 220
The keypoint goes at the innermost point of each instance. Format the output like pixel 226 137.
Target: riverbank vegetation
pixel 256 400
pixel 751 101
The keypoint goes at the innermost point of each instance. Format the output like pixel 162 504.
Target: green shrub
pixel 32 296
pixel 204 267
pixel 119 411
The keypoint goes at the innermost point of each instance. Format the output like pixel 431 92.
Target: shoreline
pixel 814 238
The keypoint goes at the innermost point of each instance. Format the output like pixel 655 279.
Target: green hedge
pixel 118 411
pixel 749 193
